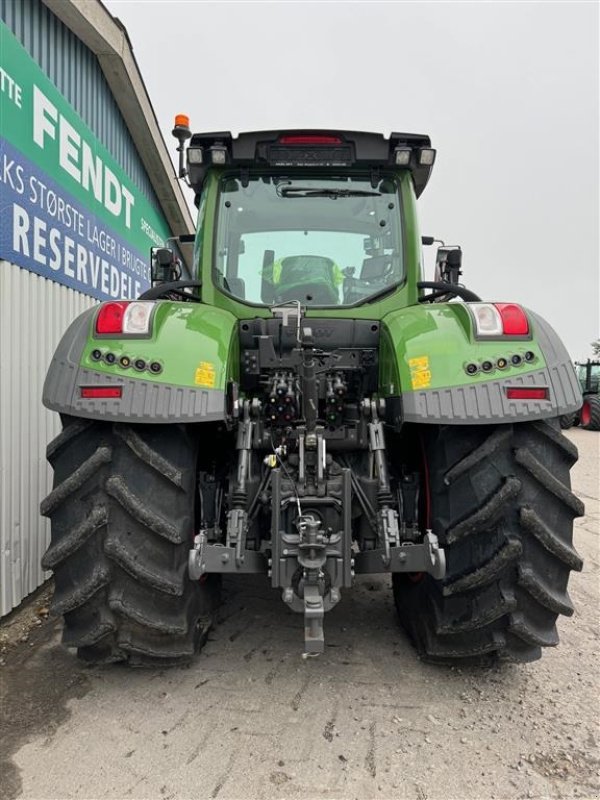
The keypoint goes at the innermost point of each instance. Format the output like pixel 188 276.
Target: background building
pixel 86 188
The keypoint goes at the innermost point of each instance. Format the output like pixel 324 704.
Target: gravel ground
pixel 251 719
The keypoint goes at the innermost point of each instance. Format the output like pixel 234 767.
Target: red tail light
pixel 527 393
pixel 94 392
pixel 514 320
pixel 310 139
pixel 110 317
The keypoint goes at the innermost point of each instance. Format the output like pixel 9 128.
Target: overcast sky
pixel 507 91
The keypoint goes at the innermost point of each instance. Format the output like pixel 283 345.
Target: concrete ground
pixel 251 719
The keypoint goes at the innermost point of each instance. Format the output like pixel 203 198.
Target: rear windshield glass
pixel 332 241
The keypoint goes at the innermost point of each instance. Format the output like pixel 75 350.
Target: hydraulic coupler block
pixel 282 404
pixel 334 400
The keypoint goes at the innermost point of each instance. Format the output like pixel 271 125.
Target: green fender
pixel 424 356
pixel 196 348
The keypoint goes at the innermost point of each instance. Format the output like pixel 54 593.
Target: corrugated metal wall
pixel 34 312
pixel 77 75
pixel 31 325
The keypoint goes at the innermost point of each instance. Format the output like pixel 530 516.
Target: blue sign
pixel 46 230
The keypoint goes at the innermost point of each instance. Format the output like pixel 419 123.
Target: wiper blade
pixel 309 191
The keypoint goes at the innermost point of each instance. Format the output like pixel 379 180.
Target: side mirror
pixel 448 262
pixel 427 240
pixel 164 266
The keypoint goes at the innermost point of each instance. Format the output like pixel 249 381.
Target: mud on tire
pixel 122 520
pixel 501 505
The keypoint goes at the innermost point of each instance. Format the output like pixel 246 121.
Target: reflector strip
pixel 307 139
pixel 527 392
pixel 93 392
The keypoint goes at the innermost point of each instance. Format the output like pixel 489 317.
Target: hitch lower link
pixel 426 556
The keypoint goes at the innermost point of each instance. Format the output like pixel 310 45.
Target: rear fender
pixel 424 357
pixel 196 347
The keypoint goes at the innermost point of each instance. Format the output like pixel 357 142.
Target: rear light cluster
pixel 500 362
pixel 124 317
pixel 499 319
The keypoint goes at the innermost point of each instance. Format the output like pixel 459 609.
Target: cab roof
pixel 312 149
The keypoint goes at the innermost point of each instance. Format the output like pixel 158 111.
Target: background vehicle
pixel 309 408
pixel 588 374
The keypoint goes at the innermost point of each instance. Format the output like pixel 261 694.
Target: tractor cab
pixel 325 219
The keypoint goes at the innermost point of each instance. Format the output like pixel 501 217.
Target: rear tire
pixel 501 506
pixel 122 521
pixel 590 413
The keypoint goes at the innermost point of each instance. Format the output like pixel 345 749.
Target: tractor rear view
pixel 308 408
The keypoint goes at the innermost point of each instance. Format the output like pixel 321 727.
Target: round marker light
pixel 530 356
pixel 155 367
pixel 125 362
pixel 96 355
pixel 139 364
pixel 471 369
pixel 502 363
pixel 516 360
pixel 110 358
pixel 487 366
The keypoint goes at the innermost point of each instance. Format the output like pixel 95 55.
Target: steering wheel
pixel 166 290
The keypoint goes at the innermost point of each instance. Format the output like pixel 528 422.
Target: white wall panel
pixel 34 313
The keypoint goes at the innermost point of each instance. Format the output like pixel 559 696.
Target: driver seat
pixel 308 279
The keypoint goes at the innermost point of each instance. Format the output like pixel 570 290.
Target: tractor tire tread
pixel 120 566
pixel 508 562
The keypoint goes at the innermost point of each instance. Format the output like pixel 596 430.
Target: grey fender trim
pixel 485 403
pixel 141 401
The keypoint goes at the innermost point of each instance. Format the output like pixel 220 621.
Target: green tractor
pixel 588 416
pixel 310 409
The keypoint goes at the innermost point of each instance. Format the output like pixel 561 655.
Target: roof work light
pixel 402 156
pixel 218 153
